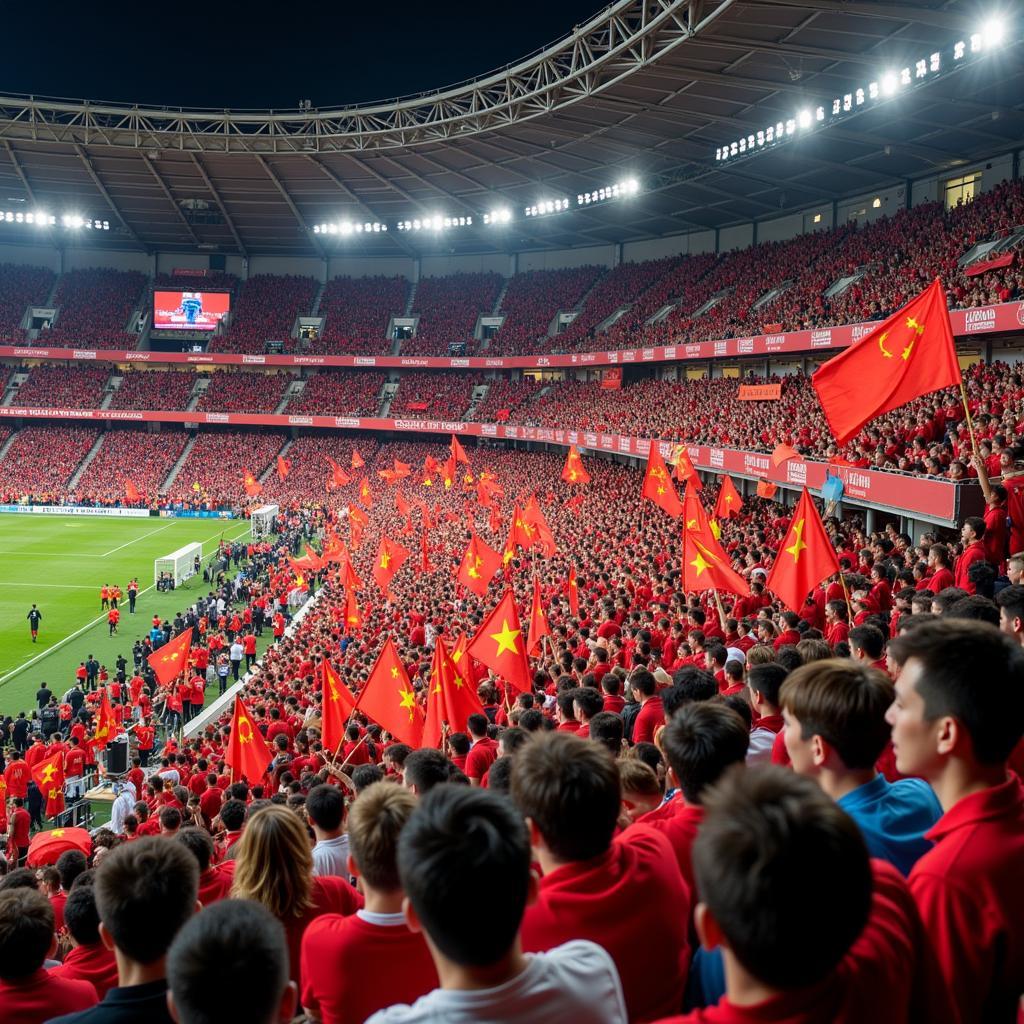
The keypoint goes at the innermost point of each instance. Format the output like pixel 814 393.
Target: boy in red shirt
pixel 619 894
pixel 348 963
pixel 955 721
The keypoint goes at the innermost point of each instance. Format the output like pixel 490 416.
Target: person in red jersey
pixel 764 683
pixel 484 751
pixel 972 534
pixel 955 721
pixel 701 741
pixel 619 892
pixel 88 959
pixel 274 866
pixel 798 947
pixel 214 880
pixel 651 715
pixel 28 993
pixel 349 963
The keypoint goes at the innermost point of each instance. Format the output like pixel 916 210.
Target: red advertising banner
pixel 611 379
pixel 1004 318
pixel 931 499
pixel 992 263
pixel 760 392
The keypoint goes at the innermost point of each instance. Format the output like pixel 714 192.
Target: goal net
pixel 262 520
pixel 180 565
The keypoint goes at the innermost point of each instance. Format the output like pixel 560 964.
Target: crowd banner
pixel 1002 318
pixel 760 392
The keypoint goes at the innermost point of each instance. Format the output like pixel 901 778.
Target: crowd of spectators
pixel 310 477
pixel 41 460
pixel 531 302
pixel 340 393
pixel 21 287
pixel 437 394
pixel 266 310
pixel 217 464
pixel 166 388
pixel 53 386
pixel 506 395
pixel 448 309
pixel 93 308
pixel 137 456
pixel 243 391
pixel 356 313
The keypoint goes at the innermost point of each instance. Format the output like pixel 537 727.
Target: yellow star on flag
pixel 506 639
pixel 394 671
pixel 48 772
pixel 798 545
pixel 408 701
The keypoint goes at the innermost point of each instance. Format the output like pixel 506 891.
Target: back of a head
pixel 425 769
pixel 689 684
pixel 972 672
pixel 376 821
pixel 229 962
pixel 232 814
pixel 767 680
pixel 325 806
pixel 70 864
pixel 569 788
pixel 844 702
pixel 456 842
pixel 81 916
pixel 701 741
pixel 26 932
pixel 145 891
pixel 273 862
pixel 199 843
pixel 766 861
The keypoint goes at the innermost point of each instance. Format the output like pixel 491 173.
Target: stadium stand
pixel 144 459
pixel 64 387
pixel 93 308
pixel 149 389
pixel 340 393
pixel 217 463
pixel 356 313
pixel 244 391
pixel 448 309
pixel 436 394
pixel 41 460
pixel 265 311
pixel 21 287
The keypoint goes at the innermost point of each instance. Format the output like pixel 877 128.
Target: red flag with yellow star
pixel 573 471
pixel 357 460
pixel 169 661
pixel 657 485
pixel 251 484
pixel 705 565
pixel 358 521
pixel 247 754
pixel 339 478
pixel 909 355
pixel 390 558
pixel 284 467
pixel 353 617
pixel 538 621
pixel 805 557
pixel 458 452
pixel 48 775
pixel 451 697
pixel 537 526
pixel 389 699
pixel 499 644
pixel 683 468
pixel 729 501
pixel 106 724
pixel 338 703
pixel 364 492
pixel 478 566
pixel 574 592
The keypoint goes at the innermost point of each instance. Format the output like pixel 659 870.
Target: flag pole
pixel 846 594
pixel 970 422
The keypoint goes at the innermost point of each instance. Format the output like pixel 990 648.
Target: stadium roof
pixel 648 89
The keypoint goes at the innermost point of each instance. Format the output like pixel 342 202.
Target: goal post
pixel 262 520
pixel 180 564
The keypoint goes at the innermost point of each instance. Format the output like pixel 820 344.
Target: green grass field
pixel 59 563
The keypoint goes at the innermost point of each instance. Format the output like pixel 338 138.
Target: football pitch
pixel 60 563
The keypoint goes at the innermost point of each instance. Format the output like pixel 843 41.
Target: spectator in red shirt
pixel 214 880
pixel 484 751
pixel 972 534
pixel 28 993
pixel 955 721
pixel 769 851
pixel 348 963
pixel 88 959
pixel 617 893
pixel 651 715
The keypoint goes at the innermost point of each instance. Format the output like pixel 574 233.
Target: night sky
pixel 261 55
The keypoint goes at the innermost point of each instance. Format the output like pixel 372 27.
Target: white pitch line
pixel 99 618
pixel 142 536
pixel 52 586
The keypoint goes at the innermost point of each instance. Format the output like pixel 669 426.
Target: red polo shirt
pixel 648 719
pixel 93 963
pixel 969 890
pixel 41 996
pixel 352 968
pixel 678 822
pixel 632 901
pixel 481 756
pixel 329 896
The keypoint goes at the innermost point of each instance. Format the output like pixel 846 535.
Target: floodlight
pixel 804 119
pixel 889 83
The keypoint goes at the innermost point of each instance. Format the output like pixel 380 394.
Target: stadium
pixel 503 553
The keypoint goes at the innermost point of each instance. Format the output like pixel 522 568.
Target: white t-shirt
pixel 330 857
pixel 572 984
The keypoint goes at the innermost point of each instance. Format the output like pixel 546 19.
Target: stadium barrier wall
pixel 77 510
pixel 1001 318
pixel 193 513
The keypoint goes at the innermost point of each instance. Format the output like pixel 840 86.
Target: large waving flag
pixel 391 556
pixel 48 775
pixel 106 724
pixel 458 452
pixel 284 467
pixel 537 526
pixel 451 697
pixel 909 355
pixel 573 471
pixel 131 492
pixel 499 645
pixel 389 699
pixel 729 501
pixel 337 705
pixel 339 478
pixel 805 557
pixel 658 486
pixel 248 754
pixel 357 460
pixel 169 661
pixel 478 566
pixel 538 621
pixel 706 566
pixel 251 484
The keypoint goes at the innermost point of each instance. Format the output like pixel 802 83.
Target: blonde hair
pixel 374 824
pixel 637 777
pixel 274 863
pixel 760 654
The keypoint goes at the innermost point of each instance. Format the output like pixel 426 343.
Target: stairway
pixel 113 383
pixel 412 299
pixel 197 393
pixel 7 444
pixel 84 464
pixel 273 462
pixel 501 297
pixel 315 311
pixel 176 468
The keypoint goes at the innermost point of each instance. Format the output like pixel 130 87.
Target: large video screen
pixel 190 311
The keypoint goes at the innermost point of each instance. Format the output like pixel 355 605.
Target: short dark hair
pixel 145 891
pixel 844 702
pixel 477 724
pixel 1011 598
pixel 589 700
pixel 81 917
pixel 569 788
pixel 974 606
pixel 973 673
pixel 869 639
pixel 499 775
pixel 700 742
pixel 229 962
pixel 70 864
pixel 232 814
pixel 643 681
pixel 767 680
pixel 365 775
pixel 325 806
pixel 26 932
pixel 426 768
pixel 607 729
pixel 766 859
pixel 199 843
pixel 689 684
pixel 456 842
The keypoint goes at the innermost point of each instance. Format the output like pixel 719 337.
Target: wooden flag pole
pixel 846 594
pixel 970 422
